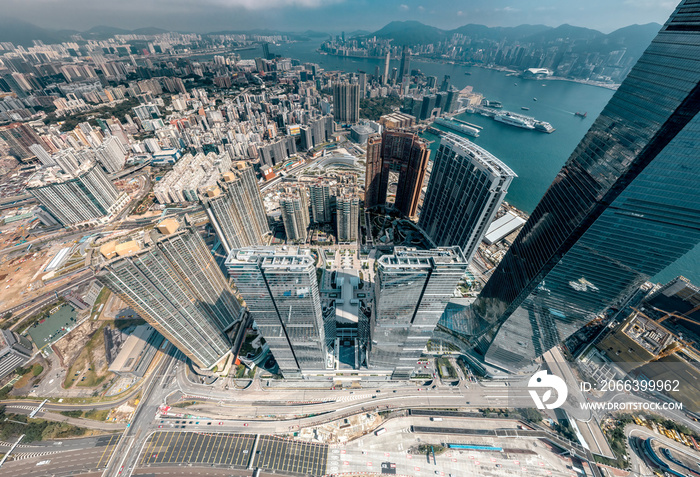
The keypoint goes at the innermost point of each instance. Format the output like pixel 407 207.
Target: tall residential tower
pixel 466 188
pixel 401 153
pixel 84 195
pixel 236 210
pixel 346 103
pixel 173 282
pixel 295 214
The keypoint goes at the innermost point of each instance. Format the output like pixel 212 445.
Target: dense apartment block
pixel 84 196
pixel 172 281
pixel 236 210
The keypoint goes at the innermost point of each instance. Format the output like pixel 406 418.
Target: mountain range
pixel 635 37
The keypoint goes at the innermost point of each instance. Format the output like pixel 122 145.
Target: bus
pixel 379 432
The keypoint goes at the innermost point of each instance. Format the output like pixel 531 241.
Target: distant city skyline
pixel 332 16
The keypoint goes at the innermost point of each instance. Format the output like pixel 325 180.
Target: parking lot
pixel 172 447
pixel 234 450
pixel 285 455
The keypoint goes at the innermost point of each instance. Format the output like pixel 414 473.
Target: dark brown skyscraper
pixel 403 153
pixel 19 137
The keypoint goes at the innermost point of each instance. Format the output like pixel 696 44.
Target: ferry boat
pixel 524 108
pixel 514 120
pixel 450 123
pixel 491 104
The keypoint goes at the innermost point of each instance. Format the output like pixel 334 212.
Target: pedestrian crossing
pixel 26 408
pixel 354 397
pixel 29 455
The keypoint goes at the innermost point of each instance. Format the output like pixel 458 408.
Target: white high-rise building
pixel 280 289
pixel 175 284
pixel 295 214
pixel 44 157
pixel 466 188
pixel 111 155
pixel 85 195
pixel 412 289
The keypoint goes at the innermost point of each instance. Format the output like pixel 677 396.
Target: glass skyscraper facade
pixel 412 288
pixel 624 206
pixel 467 186
pixel 280 289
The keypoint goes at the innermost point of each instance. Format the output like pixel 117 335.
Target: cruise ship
pixel 457 126
pixel 515 120
pixel 544 126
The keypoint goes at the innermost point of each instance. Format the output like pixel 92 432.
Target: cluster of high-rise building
pixel 535 48
pixel 623 207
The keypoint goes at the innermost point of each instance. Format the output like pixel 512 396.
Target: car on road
pixel 245 424
pixel 221 423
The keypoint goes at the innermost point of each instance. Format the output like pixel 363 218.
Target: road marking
pixel 233 452
pixel 104 452
pixel 201 445
pixel 194 445
pixel 216 454
pixel 185 445
pixel 149 444
pixel 111 452
pixel 171 449
pixel 268 450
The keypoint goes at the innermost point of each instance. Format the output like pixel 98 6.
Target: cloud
pixel 265 4
pixel 421 8
pixel 404 7
pixel 652 4
pixel 460 13
pixel 508 9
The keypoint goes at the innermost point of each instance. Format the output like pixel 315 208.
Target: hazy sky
pixel 332 15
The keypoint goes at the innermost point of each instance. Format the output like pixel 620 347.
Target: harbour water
pixel 535 156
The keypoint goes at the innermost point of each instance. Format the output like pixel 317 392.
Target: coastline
pixel 599 84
